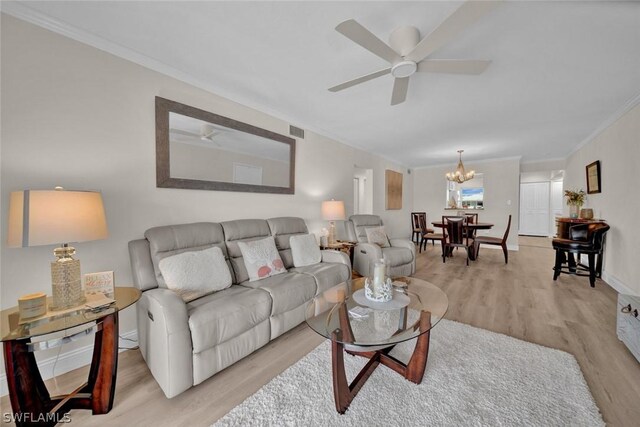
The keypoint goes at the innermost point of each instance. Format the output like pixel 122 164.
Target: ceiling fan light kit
pixel 407 54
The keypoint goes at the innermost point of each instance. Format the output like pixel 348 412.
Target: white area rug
pixel 473 377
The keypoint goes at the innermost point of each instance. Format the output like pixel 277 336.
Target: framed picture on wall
pixel 593 178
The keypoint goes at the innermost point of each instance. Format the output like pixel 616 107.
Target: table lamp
pixel 47 217
pixel 332 211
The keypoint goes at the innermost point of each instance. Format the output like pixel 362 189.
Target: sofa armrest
pixel 408 244
pixel 165 339
pixel 403 243
pixel 336 257
pixel 364 256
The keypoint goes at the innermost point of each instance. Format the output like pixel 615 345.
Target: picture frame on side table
pixel 594 184
pixel 99 283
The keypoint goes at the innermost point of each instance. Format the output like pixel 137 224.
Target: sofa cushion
pixel 261 258
pixel 174 239
pixel 397 256
pixel 242 230
pixel 282 229
pixel 377 236
pixel 305 250
pixel 194 274
pixel 221 316
pixel 360 223
pixel 287 291
pixel 325 274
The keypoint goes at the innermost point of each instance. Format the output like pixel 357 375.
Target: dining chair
pixel 495 241
pixel 454 235
pixel 429 234
pixel 415 226
pixel 472 218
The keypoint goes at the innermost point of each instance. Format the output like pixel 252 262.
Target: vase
pixel 573 211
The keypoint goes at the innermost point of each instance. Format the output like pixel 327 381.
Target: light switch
pixel 508 202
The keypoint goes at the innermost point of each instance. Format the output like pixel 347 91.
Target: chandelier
pixel 460 175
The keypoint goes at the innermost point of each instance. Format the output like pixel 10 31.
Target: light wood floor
pixel 519 299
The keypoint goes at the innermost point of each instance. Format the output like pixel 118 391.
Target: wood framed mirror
pixel 200 150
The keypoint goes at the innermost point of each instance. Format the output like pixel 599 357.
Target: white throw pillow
pixel 305 250
pixel 261 258
pixel 195 274
pixel 378 236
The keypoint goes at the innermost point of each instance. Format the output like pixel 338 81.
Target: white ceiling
pixel 560 69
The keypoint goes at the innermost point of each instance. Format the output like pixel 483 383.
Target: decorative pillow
pixel 261 258
pixel 378 236
pixel 305 250
pixel 196 273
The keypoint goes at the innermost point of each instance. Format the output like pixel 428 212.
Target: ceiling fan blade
pixel 365 38
pixel 359 80
pixel 470 12
pixel 400 87
pixel 184 133
pixel 453 66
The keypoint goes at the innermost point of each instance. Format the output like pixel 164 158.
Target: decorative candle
pixel 379 275
pixel 32 305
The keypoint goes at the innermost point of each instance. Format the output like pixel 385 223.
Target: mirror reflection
pixel 468 195
pixel 211 152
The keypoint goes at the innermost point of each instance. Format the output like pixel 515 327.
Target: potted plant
pixel 575 200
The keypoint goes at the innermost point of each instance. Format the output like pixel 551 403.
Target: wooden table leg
pixel 104 366
pixel 413 371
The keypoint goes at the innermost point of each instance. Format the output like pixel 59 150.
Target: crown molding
pixel 626 107
pixel 469 162
pixel 19 10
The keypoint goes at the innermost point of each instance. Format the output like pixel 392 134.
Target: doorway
pixel 534 208
pixel 362 191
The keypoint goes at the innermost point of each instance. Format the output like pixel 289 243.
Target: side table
pixel 30 399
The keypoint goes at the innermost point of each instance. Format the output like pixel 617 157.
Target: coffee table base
pixel 413 371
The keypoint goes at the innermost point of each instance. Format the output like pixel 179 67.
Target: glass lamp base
pixel 66 285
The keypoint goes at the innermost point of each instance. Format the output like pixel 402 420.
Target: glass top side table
pixel 30 399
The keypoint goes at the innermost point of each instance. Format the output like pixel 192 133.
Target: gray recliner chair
pixel 401 256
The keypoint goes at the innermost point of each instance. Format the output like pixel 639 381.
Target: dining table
pixel 473 227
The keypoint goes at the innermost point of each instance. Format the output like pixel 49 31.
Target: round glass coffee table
pixel 359 329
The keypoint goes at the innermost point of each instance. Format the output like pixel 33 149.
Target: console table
pixel 30 399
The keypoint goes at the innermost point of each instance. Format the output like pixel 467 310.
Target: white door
pixel 534 209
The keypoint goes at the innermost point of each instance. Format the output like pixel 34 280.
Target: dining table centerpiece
pixel 575 200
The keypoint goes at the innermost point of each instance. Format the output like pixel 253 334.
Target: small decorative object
pixel 47 217
pixel 575 200
pixel 381 292
pixel 380 289
pixel 593 178
pixel 460 175
pixel 452 202
pixel 99 283
pixel 332 211
pixel 586 213
pixel 32 305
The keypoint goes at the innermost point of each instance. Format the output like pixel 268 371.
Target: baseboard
pixel 617 284
pixel 70 360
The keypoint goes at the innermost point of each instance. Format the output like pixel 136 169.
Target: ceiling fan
pixel 207 133
pixel 407 53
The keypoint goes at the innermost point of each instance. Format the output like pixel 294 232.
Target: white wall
pixel 618 149
pixel 78 117
pixel 501 185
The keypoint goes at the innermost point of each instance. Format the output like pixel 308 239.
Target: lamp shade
pixel 333 210
pixel 45 217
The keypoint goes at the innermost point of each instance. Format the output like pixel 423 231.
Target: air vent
pixel 297 132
